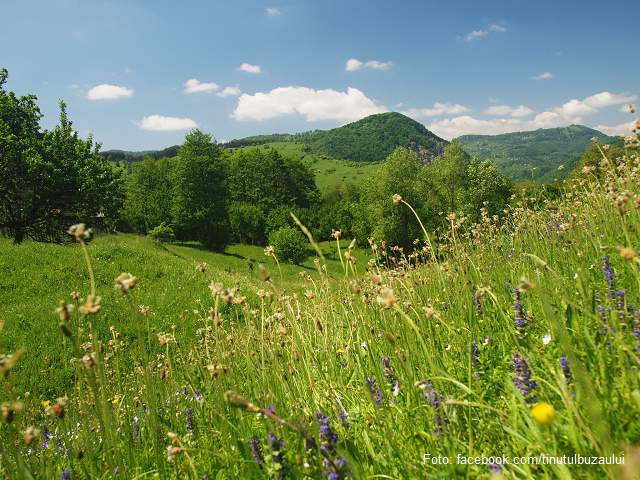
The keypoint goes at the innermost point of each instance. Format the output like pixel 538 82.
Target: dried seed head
pixel 91 306
pixel 627 253
pixel 125 282
pixel 264 273
pixel 236 400
pixel 79 232
pixel 352 245
pixel 337 234
pixel 397 198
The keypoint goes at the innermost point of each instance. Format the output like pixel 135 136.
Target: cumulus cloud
pixel 246 67
pixel 520 111
pixel 622 129
pixel 591 104
pixel 194 86
pixel 273 11
pixel 474 34
pixel 159 122
pixel 497 28
pixel 354 64
pixel 378 65
pixel 543 76
pixel 569 113
pixel 229 91
pixel 108 92
pixel 313 104
pixel 438 109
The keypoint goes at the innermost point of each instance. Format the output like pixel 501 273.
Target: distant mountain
pixel 119 155
pixel 371 139
pixel 517 154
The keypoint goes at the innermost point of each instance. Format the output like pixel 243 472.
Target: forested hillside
pixel 535 154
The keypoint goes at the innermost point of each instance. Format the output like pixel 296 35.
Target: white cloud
pixel 245 67
pixel 159 122
pixel 353 64
pixel 497 28
pixel 543 76
pixel 128 70
pixel 194 86
pixel 378 65
pixel 229 91
pixel 73 85
pixel 313 104
pixel 591 104
pixel 492 100
pixel 605 99
pixel 273 11
pixel 520 111
pixel 108 92
pixel 438 109
pixel 622 129
pixel 569 113
pixel 473 35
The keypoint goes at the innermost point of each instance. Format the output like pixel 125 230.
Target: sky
pixel 139 75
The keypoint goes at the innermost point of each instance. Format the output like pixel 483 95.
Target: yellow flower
pixel 544 413
pixel 45 403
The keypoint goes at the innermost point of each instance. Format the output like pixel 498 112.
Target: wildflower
pixel 201 267
pixel 434 400
pixel 627 253
pixel 386 297
pixel 544 413
pixel 269 250
pixel 566 371
pixel 478 304
pixel 91 306
pixel 256 450
pixel 29 435
pixel 65 474
pixel 89 361
pixel 522 377
pixel 546 339
pixel 125 282
pixel 279 465
pixel 520 315
pixel 336 234
pixel 397 198
pixel 79 232
pixel 475 353
pixel 375 391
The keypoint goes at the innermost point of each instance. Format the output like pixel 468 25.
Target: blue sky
pixel 139 75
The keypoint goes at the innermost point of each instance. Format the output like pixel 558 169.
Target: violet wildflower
pixel 190 422
pixel 566 370
pixel 475 353
pixel 522 378
pixel 390 376
pixel 521 316
pixel 435 400
pixel 335 468
pixel 606 266
pixel 344 413
pixel 65 474
pixel 256 450
pixel 375 391
pixel 478 305
pixel 494 467
pixel 279 464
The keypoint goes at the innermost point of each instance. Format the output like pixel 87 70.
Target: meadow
pixel 516 337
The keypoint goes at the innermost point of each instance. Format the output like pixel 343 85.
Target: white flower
pixel 546 339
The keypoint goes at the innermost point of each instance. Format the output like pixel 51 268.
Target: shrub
pixel 162 234
pixel 289 245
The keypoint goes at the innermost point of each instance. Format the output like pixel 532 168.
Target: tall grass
pixel 517 336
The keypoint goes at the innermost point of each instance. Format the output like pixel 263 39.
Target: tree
pixel 49 180
pixel 199 208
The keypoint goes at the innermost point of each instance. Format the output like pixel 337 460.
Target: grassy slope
pixel 37 276
pixel 327 170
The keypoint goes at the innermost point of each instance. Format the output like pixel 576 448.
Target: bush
pixel 289 245
pixel 162 234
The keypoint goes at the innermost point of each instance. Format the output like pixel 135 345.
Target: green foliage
pixel 593 156
pixel 49 179
pixel 290 245
pixel 162 234
pixel 535 154
pixel 247 222
pixel 149 194
pixel 199 208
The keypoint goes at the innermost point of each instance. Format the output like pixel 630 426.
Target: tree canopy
pixel 49 180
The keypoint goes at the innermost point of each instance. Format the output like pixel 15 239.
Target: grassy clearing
pixel 327 170
pixel 514 337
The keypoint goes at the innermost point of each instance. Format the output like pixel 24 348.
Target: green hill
pixel 518 154
pixel 371 139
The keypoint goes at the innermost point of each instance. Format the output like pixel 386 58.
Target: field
pixel 513 338
pixel 328 171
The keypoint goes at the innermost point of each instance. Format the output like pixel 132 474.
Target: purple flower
pixel 521 316
pixel 375 391
pixel 522 378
